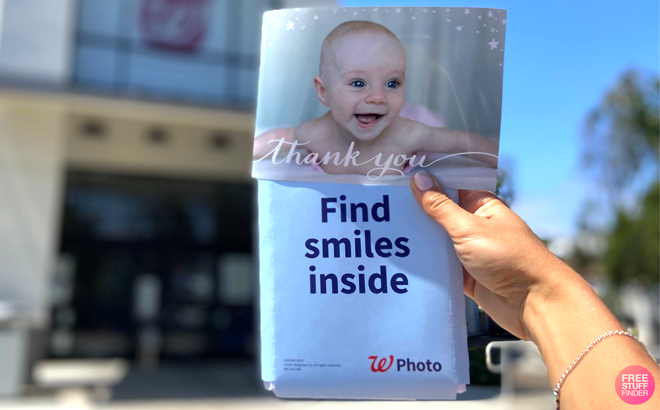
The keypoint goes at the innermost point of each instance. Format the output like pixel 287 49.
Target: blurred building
pixel 126 204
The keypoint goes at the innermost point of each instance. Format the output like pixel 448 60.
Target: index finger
pixel 471 201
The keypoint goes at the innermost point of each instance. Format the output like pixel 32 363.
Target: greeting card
pixel 361 292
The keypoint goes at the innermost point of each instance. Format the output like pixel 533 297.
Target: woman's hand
pixel 531 293
pixel 504 262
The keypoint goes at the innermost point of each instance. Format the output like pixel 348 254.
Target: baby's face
pixel 365 91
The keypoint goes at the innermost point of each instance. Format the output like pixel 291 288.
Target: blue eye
pixel 358 83
pixel 393 84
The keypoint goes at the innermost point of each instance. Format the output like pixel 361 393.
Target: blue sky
pixel 560 58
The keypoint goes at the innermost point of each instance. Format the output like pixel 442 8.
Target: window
pixel 193 51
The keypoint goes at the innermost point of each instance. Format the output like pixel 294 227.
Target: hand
pixel 501 256
pixel 511 274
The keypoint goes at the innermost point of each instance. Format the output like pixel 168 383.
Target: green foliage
pixel 634 243
pixel 622 136
pixel 505 187
pixel 479 373
pixel 621 133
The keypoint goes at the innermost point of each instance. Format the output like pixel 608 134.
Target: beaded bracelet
pixel 581 356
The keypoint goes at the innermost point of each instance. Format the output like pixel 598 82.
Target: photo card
pixel 374 95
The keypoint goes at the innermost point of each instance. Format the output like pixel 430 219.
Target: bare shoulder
pixel 312 130
pixel 415 131
pixel 305 129
pixel 266 142
pixel 278 133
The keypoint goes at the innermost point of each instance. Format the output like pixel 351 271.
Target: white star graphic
pixel 375 9
pixel 504 21
pixel 355 13
pixel 398 10
pixel 447 10
pixel 425 10
pixel 459 28
pixel 413 17
pixel 479 17
pixel 448 20
pixel 490 14
pixel 316 17
pixel 289 25
pixel 493 44
pixel 467 11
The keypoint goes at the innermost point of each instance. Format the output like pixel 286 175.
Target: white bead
pixel 581 356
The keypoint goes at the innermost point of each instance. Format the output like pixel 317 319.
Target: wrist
pixel 549 298
pixel 562 316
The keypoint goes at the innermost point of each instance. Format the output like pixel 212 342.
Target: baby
pixel 362 77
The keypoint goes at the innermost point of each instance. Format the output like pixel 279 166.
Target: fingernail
pixel 423 181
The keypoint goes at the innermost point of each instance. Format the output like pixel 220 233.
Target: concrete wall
pixel 31 177
pixel 36 40
pixel 43 134
pixel 196 142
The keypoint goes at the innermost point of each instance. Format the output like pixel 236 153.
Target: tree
pixel 634 243
pixel 505 184
pixel 621 137
pixel 621 133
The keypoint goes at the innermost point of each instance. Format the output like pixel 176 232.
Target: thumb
pixel 438 205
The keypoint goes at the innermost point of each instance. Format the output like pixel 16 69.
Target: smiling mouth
pixel 368 120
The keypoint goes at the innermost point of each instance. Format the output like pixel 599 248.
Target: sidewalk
pixel 236 387
pixel 79 400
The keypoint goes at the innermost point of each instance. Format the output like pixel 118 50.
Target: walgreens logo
pixel 383 364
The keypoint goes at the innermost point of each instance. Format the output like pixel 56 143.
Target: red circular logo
pixel 174 24
pixel 635 385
